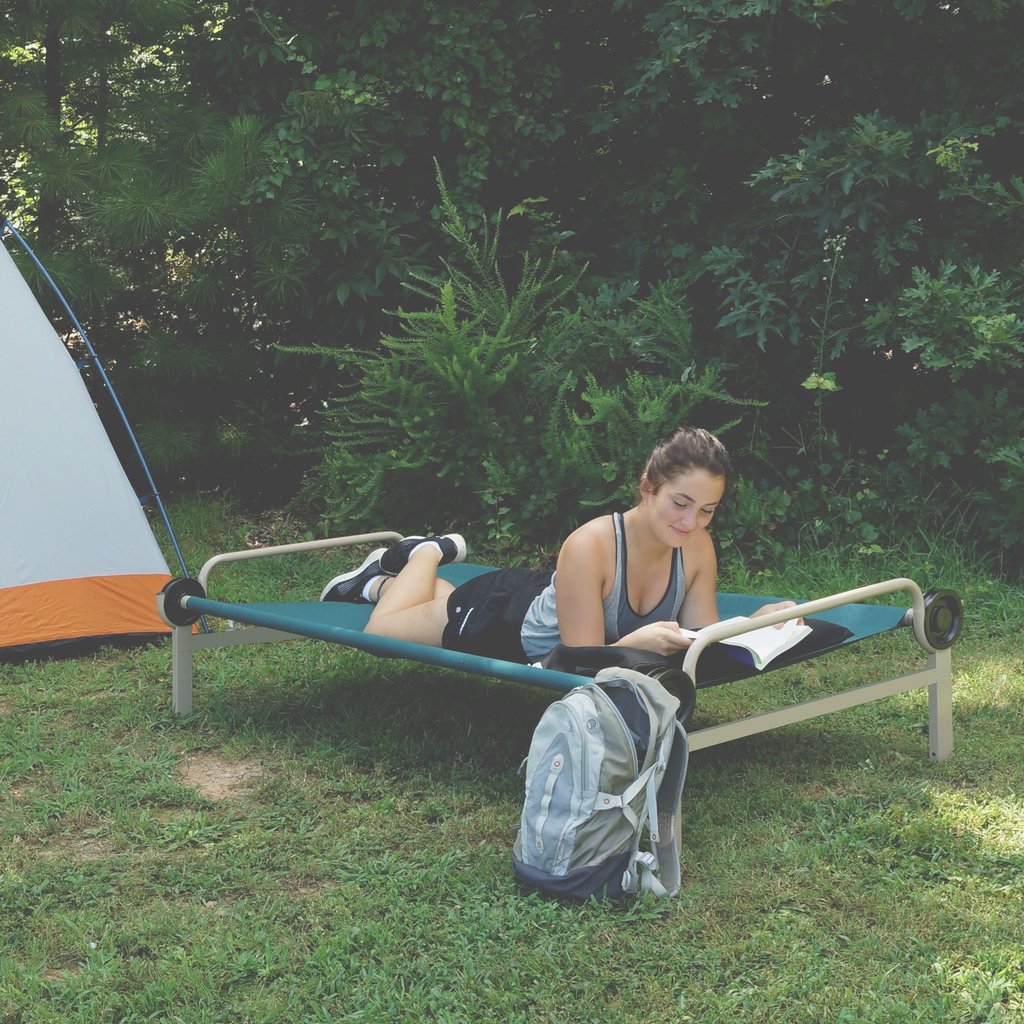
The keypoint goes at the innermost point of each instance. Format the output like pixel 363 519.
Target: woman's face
pixel 683 504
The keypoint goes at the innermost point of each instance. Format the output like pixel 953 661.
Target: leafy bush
pixel 866 277
pixel 212 192
pixel 963 328
pixel 513 411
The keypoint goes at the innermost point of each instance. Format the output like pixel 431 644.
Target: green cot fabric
pixel 342 623
pixel 863 620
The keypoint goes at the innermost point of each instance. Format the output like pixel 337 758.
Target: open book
pixel 764 644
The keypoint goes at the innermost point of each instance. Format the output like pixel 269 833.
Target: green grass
pixel 327 838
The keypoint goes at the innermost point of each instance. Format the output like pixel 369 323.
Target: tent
pixel 79 565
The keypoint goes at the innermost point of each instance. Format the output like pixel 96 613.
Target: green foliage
pixel 964 331
pixel 923 341
pixel 479 409
pixel 137 199
pixel 830 187
pixel 253 178
pixel 958 321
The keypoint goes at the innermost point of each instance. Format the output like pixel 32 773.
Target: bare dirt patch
pixel 79 848
pixel 217 778
pixel 25 787
pixel 55 975
pixel 268 529
pixel 100 694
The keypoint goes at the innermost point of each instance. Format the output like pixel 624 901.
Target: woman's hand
pixel 658 638
pixel 777 606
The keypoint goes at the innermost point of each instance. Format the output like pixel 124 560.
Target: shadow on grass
pixel 423 718
pixel 406 717
pixel 377 712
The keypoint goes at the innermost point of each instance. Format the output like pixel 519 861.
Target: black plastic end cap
pixel 169 601
pixel 943 617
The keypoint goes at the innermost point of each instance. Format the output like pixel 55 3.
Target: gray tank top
pixel 540 626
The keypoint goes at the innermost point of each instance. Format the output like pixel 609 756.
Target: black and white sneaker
pixel 396 557
pixel 349 586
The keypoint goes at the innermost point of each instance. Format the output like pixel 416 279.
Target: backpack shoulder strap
pixel 668 757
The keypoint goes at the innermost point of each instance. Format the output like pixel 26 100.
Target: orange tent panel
pixel 95 606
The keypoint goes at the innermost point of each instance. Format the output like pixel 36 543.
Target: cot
pixel 933 619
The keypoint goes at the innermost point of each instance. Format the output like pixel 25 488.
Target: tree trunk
pixel 49 206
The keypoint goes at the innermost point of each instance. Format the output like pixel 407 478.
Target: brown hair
pixel 688 448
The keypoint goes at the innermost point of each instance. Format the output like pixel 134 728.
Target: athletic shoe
pixel 349 585
pixel 395 559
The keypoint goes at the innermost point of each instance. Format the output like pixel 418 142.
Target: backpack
pixel 606 762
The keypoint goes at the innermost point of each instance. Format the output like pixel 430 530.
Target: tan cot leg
pixel 181 671
pixel 940 706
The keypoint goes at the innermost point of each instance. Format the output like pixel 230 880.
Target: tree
pixel 829 180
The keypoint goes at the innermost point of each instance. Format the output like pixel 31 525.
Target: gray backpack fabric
pixel 607 762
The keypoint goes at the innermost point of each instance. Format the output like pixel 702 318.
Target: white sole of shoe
pixel 373 556
pixel 460 545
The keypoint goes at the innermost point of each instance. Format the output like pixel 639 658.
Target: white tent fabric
pixel 77 556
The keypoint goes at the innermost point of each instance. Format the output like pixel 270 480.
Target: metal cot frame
pixel 262 628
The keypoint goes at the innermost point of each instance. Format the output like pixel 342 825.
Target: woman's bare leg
pixel 414 604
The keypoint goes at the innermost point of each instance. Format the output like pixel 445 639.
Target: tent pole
pixel 6 225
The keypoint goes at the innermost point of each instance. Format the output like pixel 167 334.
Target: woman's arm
pixel 700 605
pixel 579 584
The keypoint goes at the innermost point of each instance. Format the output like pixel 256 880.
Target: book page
pixel 765 643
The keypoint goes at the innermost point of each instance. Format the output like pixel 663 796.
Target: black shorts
pixel 485 614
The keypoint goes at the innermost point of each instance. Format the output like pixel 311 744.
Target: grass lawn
pixel 327 838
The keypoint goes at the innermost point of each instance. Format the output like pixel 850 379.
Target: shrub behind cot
pixel 511 410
